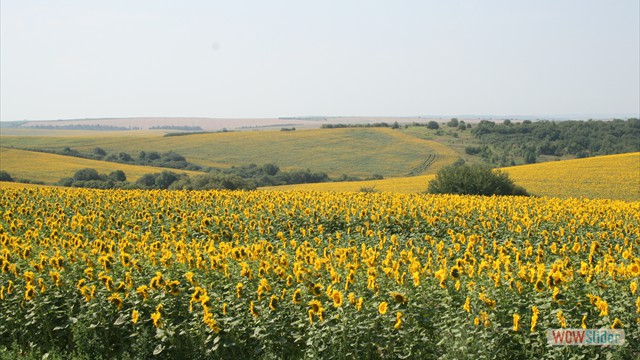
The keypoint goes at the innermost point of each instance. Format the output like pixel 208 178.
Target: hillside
pixel 612 176
pixel 355 152
pixel 50 168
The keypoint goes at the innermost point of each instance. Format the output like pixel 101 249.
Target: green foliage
pixel 4 176
pixel 528 139
pixel 473 180
pixel 453 122
pixel 433 125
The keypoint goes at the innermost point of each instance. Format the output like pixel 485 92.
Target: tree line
pixel 247 177
pixel 504 143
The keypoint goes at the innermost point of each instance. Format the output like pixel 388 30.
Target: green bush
pixel 473 180
pixel 4 176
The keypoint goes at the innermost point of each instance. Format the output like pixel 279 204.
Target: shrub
pixel 4 176
pixel 473 180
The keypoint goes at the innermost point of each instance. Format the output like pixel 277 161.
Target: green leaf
pixel 159 348
pixel 120 320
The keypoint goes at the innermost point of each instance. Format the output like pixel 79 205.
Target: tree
pixel 4 176
pixel 86 175
pixel 433 125
pixel 453 122
pixel 473 180
pixel 118 175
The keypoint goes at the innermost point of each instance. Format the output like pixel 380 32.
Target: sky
pixel 258 59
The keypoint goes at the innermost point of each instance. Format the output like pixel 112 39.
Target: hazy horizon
pixel 252 59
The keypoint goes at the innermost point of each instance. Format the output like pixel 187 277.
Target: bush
pixel 473 180
pixel 4 176
pixel 86 175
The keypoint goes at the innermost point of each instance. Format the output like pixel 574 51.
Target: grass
pixel 606 177
pixel 355 152
pixel 50 168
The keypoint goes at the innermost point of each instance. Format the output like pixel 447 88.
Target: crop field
pixel 603 177
pixel 221 274
pixel 356 152
pixel 50 168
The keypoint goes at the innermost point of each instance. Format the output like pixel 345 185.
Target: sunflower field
pixel 267 274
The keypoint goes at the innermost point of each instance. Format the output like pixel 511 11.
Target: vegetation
pixel 168 159
pixel 473 180
pixel 358 152
pixel 4 176
pixel 97 127
pixel 505 143
pixel 176 127
pixel 221 274
pixel 602 177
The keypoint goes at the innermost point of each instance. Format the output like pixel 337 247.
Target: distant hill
pixel 612 176
pixel 49 168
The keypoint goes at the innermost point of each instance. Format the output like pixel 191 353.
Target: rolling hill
pixel 358 152
pixel 612 176
pixel 49 168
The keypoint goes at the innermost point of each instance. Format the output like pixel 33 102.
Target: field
pixel 220 274
pixel 604 177
pixel 50 168
pixel 356 152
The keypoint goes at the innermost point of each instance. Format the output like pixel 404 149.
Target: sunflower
pixel 143 291
pixel 273 303
pixel 399 298
pixel 584 325
pixel 562 320
pixel 190 278
pixel 135 315
pixel 116 300
pixel 382 308
pixel 539 286
pixel 617 324
pixel 516 322
pixel 398 323
pixel 352 298
pixel 534 318
pixel 297 297
pixel 317 289
pixel 157 322
pixel 337 298
pixel 225 307
pixel 316 309
pixel 30 292
pixel 252 310
pixel 634 269
pixel 467 305
pixel 633 287
pixel 239 287
pixel 455 272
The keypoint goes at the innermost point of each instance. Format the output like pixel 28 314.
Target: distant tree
pixel 507 122
pixel 86 175
pixel 530 157
pixel 433 125
pixel 147 181
pixel 473 180
pixel 99 152
pixel 4 176
pixel 124 157
pixel 118 175
pixel 453 122
pixel 270 169
pixel 462 126
pixel 165 179
pixel 395 125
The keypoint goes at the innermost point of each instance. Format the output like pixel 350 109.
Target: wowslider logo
pixel 585 337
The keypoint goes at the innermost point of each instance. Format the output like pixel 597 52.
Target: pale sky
pixel 93 59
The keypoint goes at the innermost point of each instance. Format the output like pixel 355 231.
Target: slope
pixel 608 177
